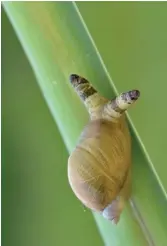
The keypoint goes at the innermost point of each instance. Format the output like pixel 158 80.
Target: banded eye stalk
pixel 98 106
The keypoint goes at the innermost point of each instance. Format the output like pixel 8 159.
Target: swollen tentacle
pixel 117 106
pixel 88 94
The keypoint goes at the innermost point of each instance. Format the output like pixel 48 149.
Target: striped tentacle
pixel 114 108
pixel 88 94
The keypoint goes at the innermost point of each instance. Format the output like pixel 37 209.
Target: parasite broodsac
pixel 99 168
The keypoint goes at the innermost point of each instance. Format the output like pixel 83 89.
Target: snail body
pixel 99 168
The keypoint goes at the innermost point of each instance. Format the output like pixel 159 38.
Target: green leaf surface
pixel 57 44
pixel 38 206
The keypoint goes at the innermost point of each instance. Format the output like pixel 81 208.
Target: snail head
pixel 112 110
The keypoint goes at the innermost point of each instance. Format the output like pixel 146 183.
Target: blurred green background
pixel 38 207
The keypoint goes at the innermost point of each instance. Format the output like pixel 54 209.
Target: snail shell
pixel 99 167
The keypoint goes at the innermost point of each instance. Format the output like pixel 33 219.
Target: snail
pixel 99 168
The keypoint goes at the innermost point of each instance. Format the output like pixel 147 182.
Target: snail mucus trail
pixel 99 168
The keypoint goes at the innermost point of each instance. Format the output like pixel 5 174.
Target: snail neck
pixel 94 104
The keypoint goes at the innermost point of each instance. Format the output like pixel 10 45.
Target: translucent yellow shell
pixel 98 167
